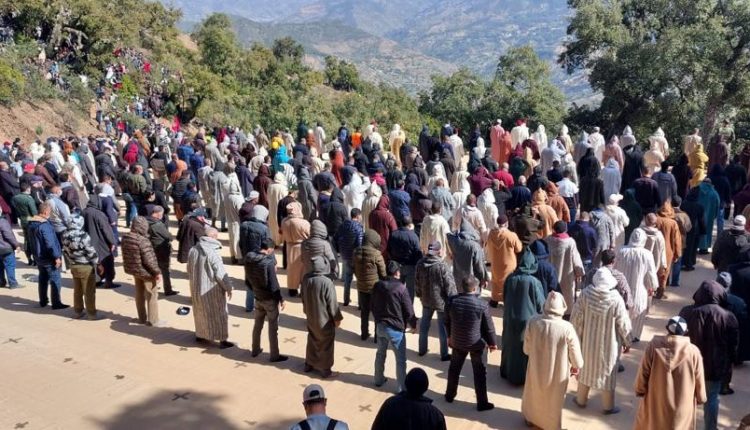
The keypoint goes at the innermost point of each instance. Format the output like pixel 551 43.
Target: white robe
pixel 354 192
pixel 620 220
pixel 486 205
pixel 597 142
pixel 371 202
pixel 637 265
pixel 518 134
pixel 233 201
pixel 612 178
pixel 434 229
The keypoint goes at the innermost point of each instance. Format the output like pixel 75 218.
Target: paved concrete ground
pixel 60 373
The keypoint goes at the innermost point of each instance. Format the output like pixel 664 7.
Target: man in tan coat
pixel 554 354
pixel 502 247
pixel 565 257
pixel 665 222
pixel 670 380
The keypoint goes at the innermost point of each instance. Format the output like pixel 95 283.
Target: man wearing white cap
pixel 670 380
pixel 315 402
pixel 728 245
pixel 601 321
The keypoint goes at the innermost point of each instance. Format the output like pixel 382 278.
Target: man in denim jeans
pixel 348 237
pixel 391 307
pixel 434 285
pixel 48 256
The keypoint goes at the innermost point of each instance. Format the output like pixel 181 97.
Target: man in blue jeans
pixel 48 255
pixel 715 331
pixel 391 307
pixel 434 285
pixel 349 237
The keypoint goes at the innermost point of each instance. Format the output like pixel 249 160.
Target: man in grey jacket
pixel 434 285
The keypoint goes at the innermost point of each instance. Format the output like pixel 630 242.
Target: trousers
pixel 146 300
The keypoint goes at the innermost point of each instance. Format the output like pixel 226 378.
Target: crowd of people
pixel 575 242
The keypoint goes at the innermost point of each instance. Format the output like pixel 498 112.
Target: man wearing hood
pixel 524 298
pixel 591 194
pixel 410 409
pixel 633 162
pixel 192 228
pixel 307 195
pixel 637 264
pixel 670 380
pixel 161 239
pixel 468 256
pixel 263 286
pixel 601 320
pixel 47 254
pixel 83 259
pixel 139 260
pixel 670 230
pixel 323 316
pixel 404 248
pixel 435 228
pixel 729 246
pixel 210 289
pixel 335 213
pixel 103 239
pixel 276 191
pixel 715 331
pixel 470 330
pixel 382 221
pixel 319 245
pixel 611 177
pixel 369 268
pixel 473 216
pixel 546 273
pixel 554 355
pixel 348 238
pixel 695 211
pixel 502 247
pixel 566 260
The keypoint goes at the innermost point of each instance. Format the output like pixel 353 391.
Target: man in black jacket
pixel 262 283
pixel 392 310
pixel 470 330
pixel 161 239
pixel 99 229
pixel 410 410
pixel 404 249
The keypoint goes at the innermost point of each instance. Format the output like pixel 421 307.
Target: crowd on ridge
pixel 576 243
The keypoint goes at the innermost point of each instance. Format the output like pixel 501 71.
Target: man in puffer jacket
pixel 369 268
pixel 434 285
pixel 139 260
pixel 83 259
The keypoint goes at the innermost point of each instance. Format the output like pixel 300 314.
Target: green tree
pixel 457 98
pixel 11 84
pixel 670 63
pixel 218 45
pixel 341 75
pixel 288 48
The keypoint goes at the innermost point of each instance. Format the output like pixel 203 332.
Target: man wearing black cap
pixel 470 331
pixel 410 409
pixel 392 309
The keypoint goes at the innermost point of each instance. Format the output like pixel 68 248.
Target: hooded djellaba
pixel 524 299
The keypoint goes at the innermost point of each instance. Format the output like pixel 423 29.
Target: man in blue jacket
pixel 47 253
pixel 349 237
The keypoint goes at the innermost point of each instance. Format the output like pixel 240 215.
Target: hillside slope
pixel 52 118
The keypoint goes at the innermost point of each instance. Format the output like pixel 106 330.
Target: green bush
pixel 11 84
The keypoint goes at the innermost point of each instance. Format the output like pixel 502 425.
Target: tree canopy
pixel 677 64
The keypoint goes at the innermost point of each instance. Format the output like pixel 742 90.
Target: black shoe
pixel 485 407
pixel 43 304
pixel 279 359
pixel 449 399
pixel 382 383
pixel 688 268
pixel 99 283
pixel 446 358
pixel 234 260
pixel 308 368
pixel 612 411
pixel 201 340
pixel 60 306
pixel 112 286
pixel 702 252
pixel 171 293
pixel 256 353
pixel 346 303
pixel 494 304
pixel 224 344
pixel 364 336
pixel 620 368
pixel 293 293
pixel 726 391
pixel 635 340
pixel 422 354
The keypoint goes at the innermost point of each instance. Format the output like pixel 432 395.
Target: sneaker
pixel 15 286
pixel 726 391
pixel 364 336
pixel 485 407
pixel 446 358
pixel 256 353
pixel 293 293
pixel 612 411
pixel 494 304
pixel 279 359
pixel 60 307
pixel 171 293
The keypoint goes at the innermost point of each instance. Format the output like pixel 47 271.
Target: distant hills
pixel 404 42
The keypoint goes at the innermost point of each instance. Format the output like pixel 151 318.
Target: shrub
pixel 11 84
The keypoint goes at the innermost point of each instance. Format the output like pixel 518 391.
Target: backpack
pixel 304 425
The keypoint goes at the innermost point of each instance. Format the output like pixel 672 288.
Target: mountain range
pixel 403 42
